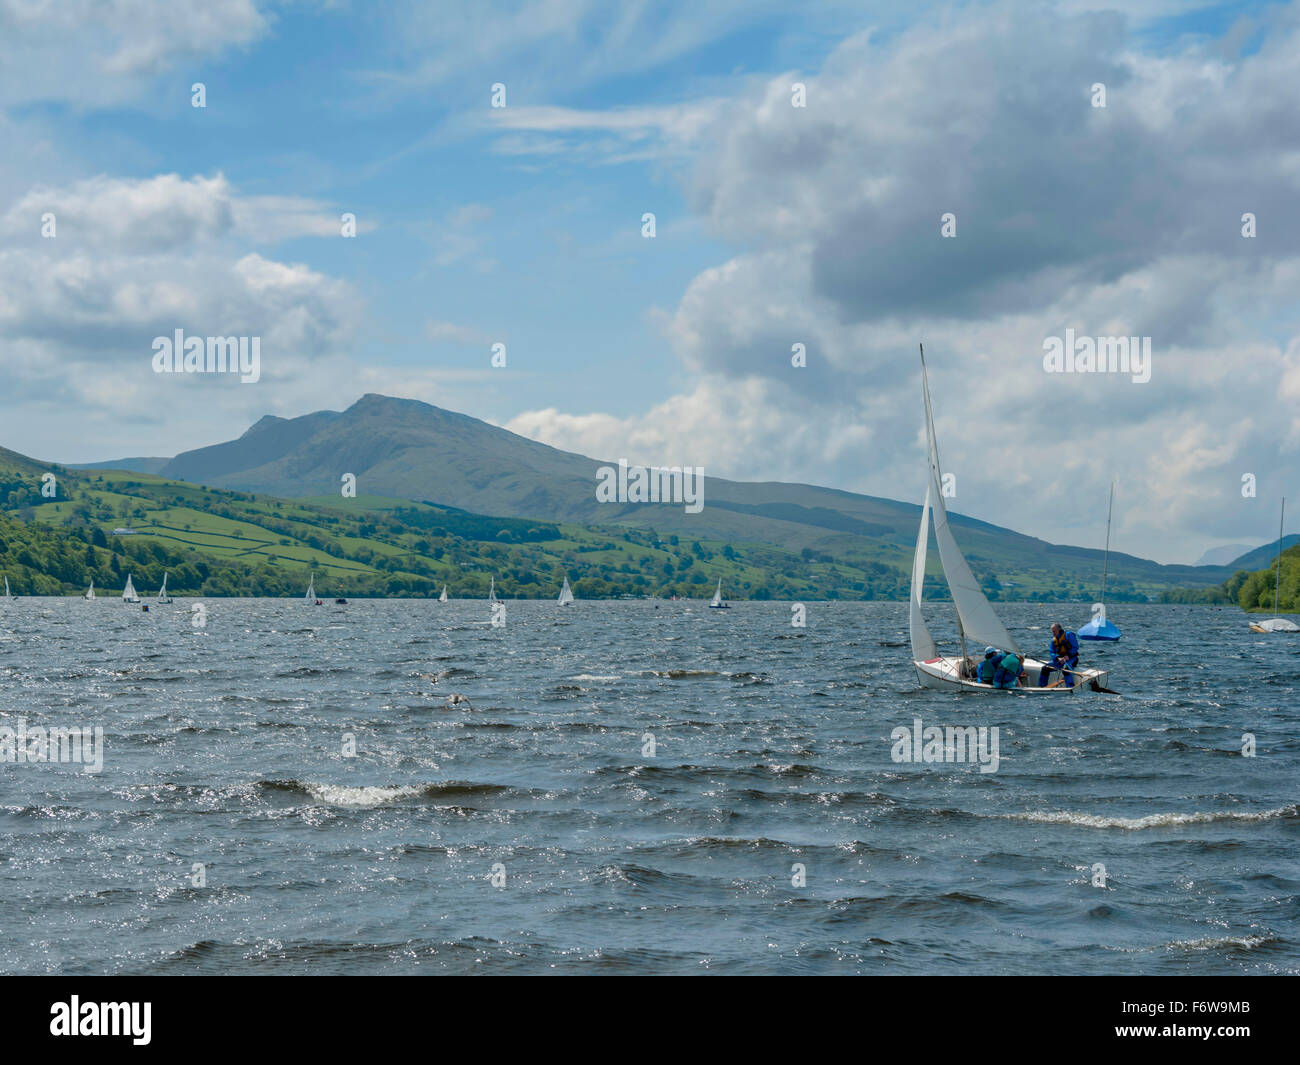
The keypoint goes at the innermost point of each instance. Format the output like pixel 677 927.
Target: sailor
pixel 1008 672
pixel 992 656
pixel 1065 656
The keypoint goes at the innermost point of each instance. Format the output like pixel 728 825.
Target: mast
pixel 1105 566
pixel 1277 585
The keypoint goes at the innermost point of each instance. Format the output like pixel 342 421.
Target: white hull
pixel 941 674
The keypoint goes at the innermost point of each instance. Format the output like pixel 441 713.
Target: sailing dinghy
pixel 8 593
pixel 443 598
pixel 310 597
pixel 1099 628
pixel 566 593
pixel 163 597
pixel 128 593
pixel 716 602
pixel 1276 624
pixel 90 592
pixel 977 622
pixel 492 590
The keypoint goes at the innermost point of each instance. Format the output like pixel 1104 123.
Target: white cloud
pixel 98 53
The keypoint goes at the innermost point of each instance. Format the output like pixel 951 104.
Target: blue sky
pixel 774 225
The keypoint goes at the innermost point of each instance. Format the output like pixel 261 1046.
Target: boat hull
pixel 942 674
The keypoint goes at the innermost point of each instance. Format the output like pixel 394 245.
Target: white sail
pixel 90 592
pixel 163 597
pixel 443 598
pixel 717 595
pixel 128 593
pixel 492 591
pixel 8 593
pixel 923 648
pixel 311 589
pixel 974 613
pixel 566 593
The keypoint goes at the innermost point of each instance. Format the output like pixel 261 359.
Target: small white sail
pixel 128 593
pixel 717 595
pixel 923 648
pixel 90 592
pixel 566 593
pixel 8 593
pixel 311 589
pixel 163 597
pixel 492 591
pixel 443 598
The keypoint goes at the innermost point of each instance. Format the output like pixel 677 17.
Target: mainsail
pixel 974 613
pixel 90 592
pixel 923 648
pixel 443 598
pixel 492 590
pixel 163 597
pixel 128 593
pixel 566 593
pixel 717 595
pixel 311 588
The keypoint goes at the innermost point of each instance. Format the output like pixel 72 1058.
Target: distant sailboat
pixel 90 592
pixel 163 597
pixel 1099 628
pixel 976 619
pixel 8 593
pixel 310 597
pixel 128 593
pixel 566 593
pixel 443 598
pixel 716 602
pixel 492 591
pixel 1276 624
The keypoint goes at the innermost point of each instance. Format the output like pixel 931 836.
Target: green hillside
pixel 218 542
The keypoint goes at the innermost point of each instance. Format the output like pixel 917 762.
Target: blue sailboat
pixel 1099 628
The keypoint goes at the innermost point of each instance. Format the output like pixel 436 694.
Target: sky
pixel 799 162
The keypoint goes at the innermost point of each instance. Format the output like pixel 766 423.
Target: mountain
pixel 405 449
pixel 1223 556
pixel 1264 556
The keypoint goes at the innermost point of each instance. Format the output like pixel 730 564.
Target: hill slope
pixel 405 449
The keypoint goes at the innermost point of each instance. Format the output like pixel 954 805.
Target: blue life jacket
pixel 987 669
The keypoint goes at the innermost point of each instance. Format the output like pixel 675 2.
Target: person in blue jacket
pixel 987 668
pixel 1065 657
pixel 1009 671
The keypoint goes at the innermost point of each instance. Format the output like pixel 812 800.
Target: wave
pixel 1166 820
pixel 679 674
pixel 367 795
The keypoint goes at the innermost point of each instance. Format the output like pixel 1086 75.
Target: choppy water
pixel 224 746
